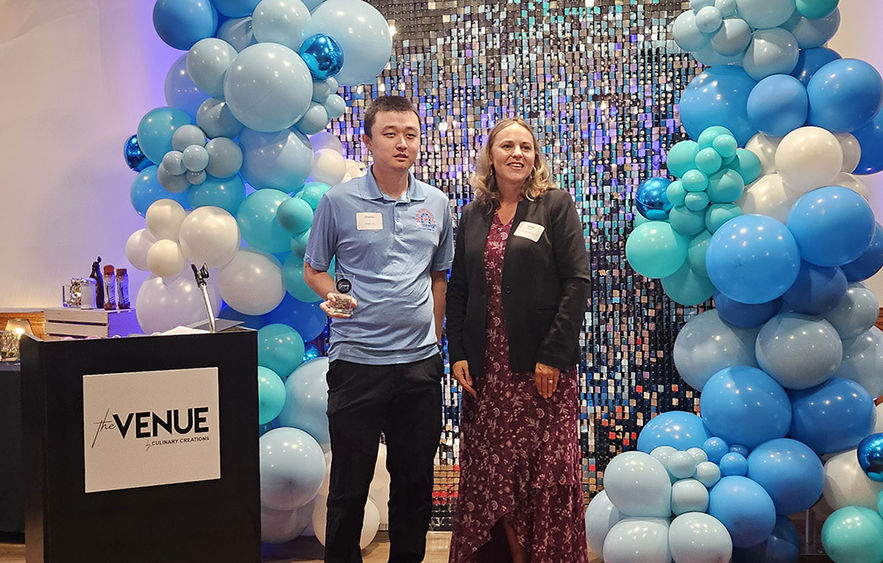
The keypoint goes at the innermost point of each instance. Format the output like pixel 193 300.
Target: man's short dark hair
pixel 387 103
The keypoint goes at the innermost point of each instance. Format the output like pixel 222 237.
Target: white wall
pixel 76 76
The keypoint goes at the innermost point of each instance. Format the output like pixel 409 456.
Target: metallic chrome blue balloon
pixel 323 55
pixel 651 201
pixel 870 456
pixel 134 157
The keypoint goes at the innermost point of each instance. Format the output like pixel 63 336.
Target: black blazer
pixel 545 286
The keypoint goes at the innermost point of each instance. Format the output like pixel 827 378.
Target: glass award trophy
pixel 341 303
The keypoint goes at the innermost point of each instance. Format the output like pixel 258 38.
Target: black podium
pixel 141 449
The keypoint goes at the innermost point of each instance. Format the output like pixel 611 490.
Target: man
pixel 391 236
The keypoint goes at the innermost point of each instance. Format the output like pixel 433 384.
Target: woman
pixel 515 304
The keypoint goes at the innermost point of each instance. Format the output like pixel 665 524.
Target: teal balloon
pixel 708 161
pixel 257 221
pixel 312 192
pixel 696 201
pixel 146 189
pixel 709 134
pixel 294 215
pixel 747 165
pixel 725 145
pixel 681 157
pixel 675 193
pixel 725 186
pixel 696 252
pixel 655 250
pixel 323 55
pixel 280 348
pixel 226 193
pixel 271 395
pixel 853 534
pixel 686 221
pixel 815 9
pixel 688 287
pixel 694 180
pixel 293 278
pixel 299 243
pixel 156 129
pixel 718 214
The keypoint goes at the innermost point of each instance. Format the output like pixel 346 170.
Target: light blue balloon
pixel 831 225
pixel 292 467
pixel 709 57
pixel 314 120
pixel 688 495
pixel 655 250
pixel 156 129
pixel 638 484
pixel 324 88
pixel 843 95
pixel 832 417
pixel 718 96
pixel 306 392
pixel 335 106
pixel 752 259
pixel 271 395
pixel 366 47
pixel 732 38
pixel 708 473
pixel 235 8
pixel 706 345
pixel 765 13
pixel 744 405
pixel 146 189
pixel 798 351
pixel 708 19
pixel 280 160
pixel 180 91
pixel 856 313
pixel 663 454
pixel 225 157
pixel 813 33
pixel 187 135
pixel 181 23
pixel 687 286
pixel 293 278
pixel 268 87
pixel 789 471
pixel 680 465
pixel 216 119
pixel 257 221
pixel 294 215
pixel 196 178
pixel 782 545
pixel 744 508
pixel 195 158
pixel 173 162
pixel 280 348
pixel 678 429
pixel 727 8
pixel 771 51
pixel 853 534
pixel 600 516
pixel 686 34
pixel 280 21
pixel 778 104
pixel 863 361
pixel 681 157
pixel 638 539
pixel 207 63
pixel 238 32
pixel 226 193
pixel 696 536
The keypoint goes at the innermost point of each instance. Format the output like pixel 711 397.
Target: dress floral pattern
pixel 519 455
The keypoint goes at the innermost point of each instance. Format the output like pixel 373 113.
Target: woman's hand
pixel 547 379
pixel 460 371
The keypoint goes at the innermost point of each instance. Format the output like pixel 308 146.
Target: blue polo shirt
pixel 387 249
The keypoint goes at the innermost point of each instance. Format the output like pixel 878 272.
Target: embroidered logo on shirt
pixel 425 220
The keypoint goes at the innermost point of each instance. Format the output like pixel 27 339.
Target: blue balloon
pixel 833 416
pixel 789 471
pixel 235 8
pixel 744 508
pixel 257 221
pixel 280 348
pixel 744 405
pixel 226 193
pixel 306 392
pixel 181 23
pixel 135 159
pixel 271 395
pixel 715 448
pixel 650 199
pixel 323 55
pixel 777 105
pixel 843 95
pixel 146 189
pixel 870 456
pixel 718 96
pixel 811 60
pixel 870 137
pixel 678 429
pixel 745 315
pixel 782 545
pixel 249 321
pixel 733 463
pixel 832 225
pixel 869 262
pixel 306 318
pixel 817 290
pixel 752 259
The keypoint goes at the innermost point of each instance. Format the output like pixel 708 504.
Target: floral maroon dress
pixel 519 455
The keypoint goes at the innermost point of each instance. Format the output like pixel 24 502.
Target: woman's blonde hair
pixel 484 181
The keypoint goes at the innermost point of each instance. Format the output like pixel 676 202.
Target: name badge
pixel 530 231
pixel 369 221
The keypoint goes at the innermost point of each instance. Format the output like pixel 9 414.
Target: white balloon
pixel 878 425
pixel 768 196
pixel 370 523
pixel 163 306
pixel 847 485
pixel 164 218
pixel 696 537
pixel 209 235
pixel 326 482
pixel 251 283
pixel 137 246
pixel 852 151
pixel 853 183
pixel 601 515
pixel 329 167
pixel 809 158
pixel 764 146
pixel 165 259
pixel 280 526
pixel 379 489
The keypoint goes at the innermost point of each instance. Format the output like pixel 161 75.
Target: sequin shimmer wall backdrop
pixel 599 81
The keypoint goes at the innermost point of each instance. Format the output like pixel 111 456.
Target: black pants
pixel 404 402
